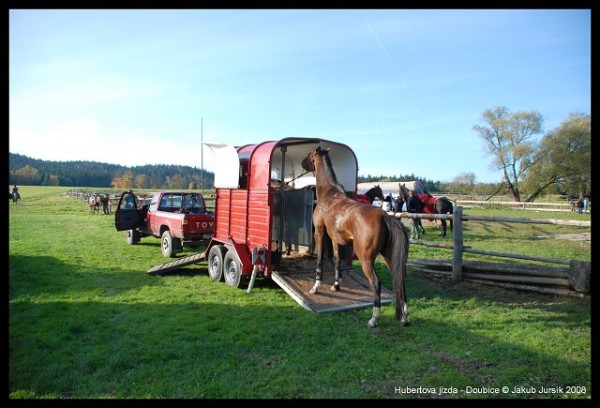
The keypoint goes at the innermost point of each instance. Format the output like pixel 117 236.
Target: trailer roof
pixel 268 160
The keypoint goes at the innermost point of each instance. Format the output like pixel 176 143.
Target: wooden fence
pixel 209 199
pixel 561 206
pixel 573 278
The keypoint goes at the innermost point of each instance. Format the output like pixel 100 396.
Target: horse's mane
pixel 330 172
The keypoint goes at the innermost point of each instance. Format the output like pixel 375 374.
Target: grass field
pixel 87 322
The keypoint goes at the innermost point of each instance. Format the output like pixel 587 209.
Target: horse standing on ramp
pixel 369 229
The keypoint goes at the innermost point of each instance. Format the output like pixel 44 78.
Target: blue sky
pixel 402 88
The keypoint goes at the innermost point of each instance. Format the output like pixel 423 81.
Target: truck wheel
pixel 215 263
pixel 133 236
pixel 167 244
pixel 232 270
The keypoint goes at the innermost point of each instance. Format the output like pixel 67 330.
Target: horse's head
pixel 403 191
pixel 308 163
pixel 375 192
pixel 378 192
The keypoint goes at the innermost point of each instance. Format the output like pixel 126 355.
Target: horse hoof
pixel 372 323
pixel 313 291
pixel 335 288
pixel 405 321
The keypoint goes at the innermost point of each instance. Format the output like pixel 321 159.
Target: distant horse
pixel 441 205
pixel 370 196
pixel 369 229
pixel 15 197
pixel 95 201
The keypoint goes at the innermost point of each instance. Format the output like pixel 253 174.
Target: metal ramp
pixel 355 291
pixel 178 263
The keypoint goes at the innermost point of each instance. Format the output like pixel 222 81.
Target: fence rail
pixel 573 279
pixel 558 206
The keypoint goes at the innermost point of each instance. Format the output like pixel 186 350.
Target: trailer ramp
pixel 178 263
pixel 355 291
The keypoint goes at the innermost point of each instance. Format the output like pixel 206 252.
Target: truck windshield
pixel 192 202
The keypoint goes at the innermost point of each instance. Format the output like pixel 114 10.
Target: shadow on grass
pixel 219 342
pixel 200 348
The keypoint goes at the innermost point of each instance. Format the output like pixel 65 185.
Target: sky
pixel 402 88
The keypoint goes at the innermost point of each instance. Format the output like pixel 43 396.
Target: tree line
pixel 24 170
pixel 558 162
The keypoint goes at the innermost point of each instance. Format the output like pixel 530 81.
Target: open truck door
pixel 127 215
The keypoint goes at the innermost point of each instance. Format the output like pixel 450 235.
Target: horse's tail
pixel 395 252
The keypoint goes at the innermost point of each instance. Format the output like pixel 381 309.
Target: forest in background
pixel 24 170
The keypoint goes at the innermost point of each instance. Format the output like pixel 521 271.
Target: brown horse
pixel 369 229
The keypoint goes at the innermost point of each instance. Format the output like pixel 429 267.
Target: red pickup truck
pixel 176 217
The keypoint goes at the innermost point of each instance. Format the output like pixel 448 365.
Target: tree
pixel 564 158
pixel 140 181
pixel 123 182
pixel 27 175
pixel 175 181
pixel 509 138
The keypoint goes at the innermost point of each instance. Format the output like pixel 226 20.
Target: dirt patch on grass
pixel 584 236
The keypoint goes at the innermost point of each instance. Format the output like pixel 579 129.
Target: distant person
pixel 580 206
pixel 573 204
pixel 386 205
pixel 415 205
pixel 586 203
pixel 106 203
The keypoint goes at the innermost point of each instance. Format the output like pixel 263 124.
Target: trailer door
pixel 227 172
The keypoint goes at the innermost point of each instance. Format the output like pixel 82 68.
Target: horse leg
pixel 319 241
pixel 336 262
pixel 415 232
pixel 443 228
pixel 369 271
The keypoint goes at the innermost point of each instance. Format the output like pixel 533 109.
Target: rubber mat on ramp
pixel 355 291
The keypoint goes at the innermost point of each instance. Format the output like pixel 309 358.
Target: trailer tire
pixel 232 271
pixel 215 263
pixel 133 236
pixel 166 244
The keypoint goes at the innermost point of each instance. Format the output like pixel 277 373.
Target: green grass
pixel 87 322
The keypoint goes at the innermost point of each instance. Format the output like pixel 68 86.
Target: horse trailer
pixel 263 221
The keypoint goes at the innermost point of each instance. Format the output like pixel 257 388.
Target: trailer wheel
pixel 133 236
pixel 166 244
pixel 232 270
pixel 215 263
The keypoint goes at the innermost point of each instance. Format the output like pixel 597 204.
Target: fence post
pixel 457 235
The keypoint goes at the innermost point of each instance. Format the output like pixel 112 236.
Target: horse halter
pixel 308 163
